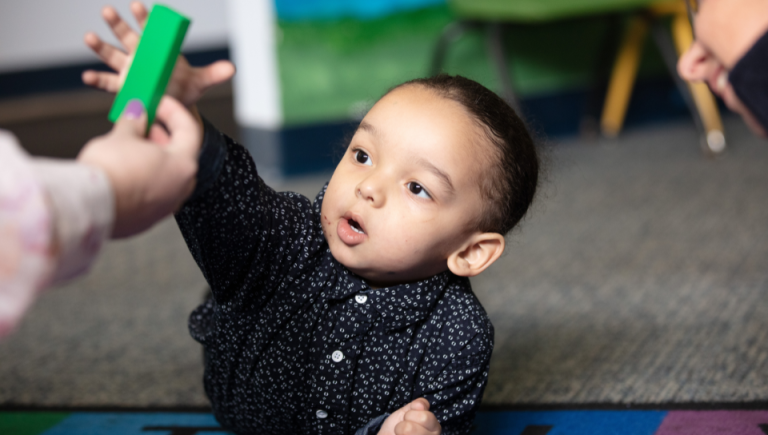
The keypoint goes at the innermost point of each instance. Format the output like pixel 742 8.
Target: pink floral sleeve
pixel 54 217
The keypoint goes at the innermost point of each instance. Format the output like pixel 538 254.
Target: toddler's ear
pixel 479 252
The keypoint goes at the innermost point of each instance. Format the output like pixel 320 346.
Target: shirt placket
pixel 337 361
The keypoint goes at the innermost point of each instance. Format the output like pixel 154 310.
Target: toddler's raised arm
pixel 239 230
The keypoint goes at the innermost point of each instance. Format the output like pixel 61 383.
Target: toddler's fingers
pixel 109 82
pixel 124 33
pixel 424 419
pixel 108 53
pixel 133 120
pixel 139 13
pixel 420 404
pixel 185 132
pixel 215 73
pixel 410 428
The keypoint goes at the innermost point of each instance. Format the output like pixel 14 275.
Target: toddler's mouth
pixel 355 226
pixel 351 230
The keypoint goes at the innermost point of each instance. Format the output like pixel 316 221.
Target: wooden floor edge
pixel 72 103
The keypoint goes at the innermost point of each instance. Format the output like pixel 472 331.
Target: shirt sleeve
pixel 373 426
pixel 241 233
pixel 455 405
pixel 455 393
pixel 54 217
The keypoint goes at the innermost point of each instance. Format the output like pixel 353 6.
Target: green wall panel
pixel 335 70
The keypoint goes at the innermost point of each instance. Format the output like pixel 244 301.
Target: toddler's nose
pixel 371 191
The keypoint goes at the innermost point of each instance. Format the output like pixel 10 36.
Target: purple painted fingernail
pixel 134 109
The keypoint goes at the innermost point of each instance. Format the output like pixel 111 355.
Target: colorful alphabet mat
pixel 752 421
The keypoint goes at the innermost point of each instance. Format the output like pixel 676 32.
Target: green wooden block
pixel 153 62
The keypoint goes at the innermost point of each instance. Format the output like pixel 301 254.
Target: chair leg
pixel 663 39
pixel 623 77
pixel 450 34
pixel 589 125
pixel 498 58
pixel 713 140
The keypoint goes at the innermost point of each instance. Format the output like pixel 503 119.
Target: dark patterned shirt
pixel 297 344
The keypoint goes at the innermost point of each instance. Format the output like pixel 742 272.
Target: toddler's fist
pixel 412 419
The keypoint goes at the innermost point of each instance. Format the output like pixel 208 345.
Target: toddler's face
pixel 405 194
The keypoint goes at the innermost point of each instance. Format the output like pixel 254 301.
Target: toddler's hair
pixel 509 184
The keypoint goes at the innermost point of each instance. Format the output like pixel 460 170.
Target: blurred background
pixel 332 59
pixel 639 277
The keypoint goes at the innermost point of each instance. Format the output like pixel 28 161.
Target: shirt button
pixel 321 414
pixel 336 357
pixel 361 299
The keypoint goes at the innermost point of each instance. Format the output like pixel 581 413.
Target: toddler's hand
pixel 187 83
pixel 412 419
pixel 151 177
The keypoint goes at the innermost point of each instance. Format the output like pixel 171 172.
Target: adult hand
pixel 412 419
pixel 152 177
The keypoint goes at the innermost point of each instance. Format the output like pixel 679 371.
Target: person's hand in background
pixel 187 83
pixel 151 178
pixel 724 31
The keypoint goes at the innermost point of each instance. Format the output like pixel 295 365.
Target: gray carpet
pixel 640 277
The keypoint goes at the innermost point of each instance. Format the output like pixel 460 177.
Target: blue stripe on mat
pixel 487 423
pixel 568 422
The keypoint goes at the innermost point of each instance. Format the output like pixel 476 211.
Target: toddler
pixel 353 313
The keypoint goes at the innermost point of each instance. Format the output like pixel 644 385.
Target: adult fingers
pixel 140 13
pixel 124 33
pixel 108 53
pixel 106 81
pixel 132 122
pixel 159 135
pixel 184 129
pixel 694 63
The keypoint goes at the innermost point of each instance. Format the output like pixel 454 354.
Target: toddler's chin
pixel 345 257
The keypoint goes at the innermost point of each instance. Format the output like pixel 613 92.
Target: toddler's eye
pixel 417 190
pixel 362 157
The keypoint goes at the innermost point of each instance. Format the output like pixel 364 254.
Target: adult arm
pixel 56 214
pixel 54 218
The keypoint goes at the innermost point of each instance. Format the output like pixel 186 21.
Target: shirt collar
pixel 405 304
pixel 399 305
